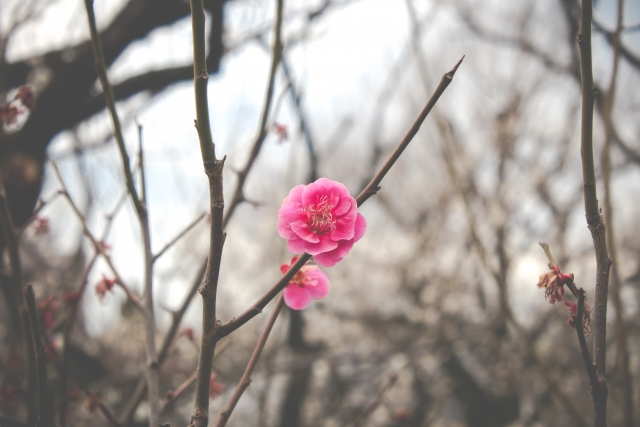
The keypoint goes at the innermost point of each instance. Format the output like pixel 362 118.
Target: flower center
pixel 302 278
pixel 320 216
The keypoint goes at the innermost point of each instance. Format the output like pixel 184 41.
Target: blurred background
pixel 434 318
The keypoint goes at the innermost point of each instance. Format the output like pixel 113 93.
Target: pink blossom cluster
pixel 307 284
pixel 322 220
pixel 553 281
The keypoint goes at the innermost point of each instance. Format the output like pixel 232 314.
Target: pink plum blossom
pixel 322 220
pixel 307 284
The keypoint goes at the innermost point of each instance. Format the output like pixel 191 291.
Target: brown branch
pixel 246 376
pixel 374 185
pixel 175 394
pixel 101 68
pixel 44 405
pixel 238 195
pixel 371 189
pixel 135 299
pixel 141 388
pixel 620 327
pixel 15 300
pixel 64 399
pixel 213 169
pixel 599 390
pixel 178 237
pixel 595 220
pixel 34 215
pixel 613 38
pixel 362 418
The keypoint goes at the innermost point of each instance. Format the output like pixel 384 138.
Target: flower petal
pixel 325 244
pixel 331 258
pixel 304 232
pixel 360 228
pixel 321 287
pixel 296 297
pixel 296 245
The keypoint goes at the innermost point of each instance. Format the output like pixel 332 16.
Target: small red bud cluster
pixel 41 226
pixel 553 281
pixel 24 101
pixel 281 131
pixel 104 286
pixel 48 308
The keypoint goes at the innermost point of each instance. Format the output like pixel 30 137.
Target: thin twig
pixel 143 217
pixel 505 306
pixel 34 215
pixel 17 300
pixel 246 376
pixel 101 68
pixel 238 195
pixel 64 399
pixel 175 394
pixel 371 189
pixel 595 220
pixel 178 237
pixel 44 404
pixel 108 415
pixel 599 390
pixel 376 402
pixel 622 350
pixel 374 185
pixel 141 387
pixel 135 299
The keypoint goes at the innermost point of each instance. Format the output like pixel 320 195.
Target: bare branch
pixel 178 237
pixel 246 376
pixel 595 220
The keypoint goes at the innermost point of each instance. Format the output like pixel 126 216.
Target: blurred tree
pixel 69 97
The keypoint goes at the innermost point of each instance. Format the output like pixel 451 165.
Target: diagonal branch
pixel 178 237
pixel 246 376
pixel 372 188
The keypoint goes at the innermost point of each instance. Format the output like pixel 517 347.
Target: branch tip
pixel 451 73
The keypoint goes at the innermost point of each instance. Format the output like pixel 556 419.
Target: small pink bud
pixel 41 226
pixel 27 97
pixel 9 114
pixel 281 131
pixel 104 286
pixel 215 387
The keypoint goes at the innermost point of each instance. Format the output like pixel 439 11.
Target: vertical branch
pixel 620 328
pixel 201 78
pixel 594 219
pixel 44 405
pixel 147 307
pixel 17 300
pixel 213 169
pixel 246 376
